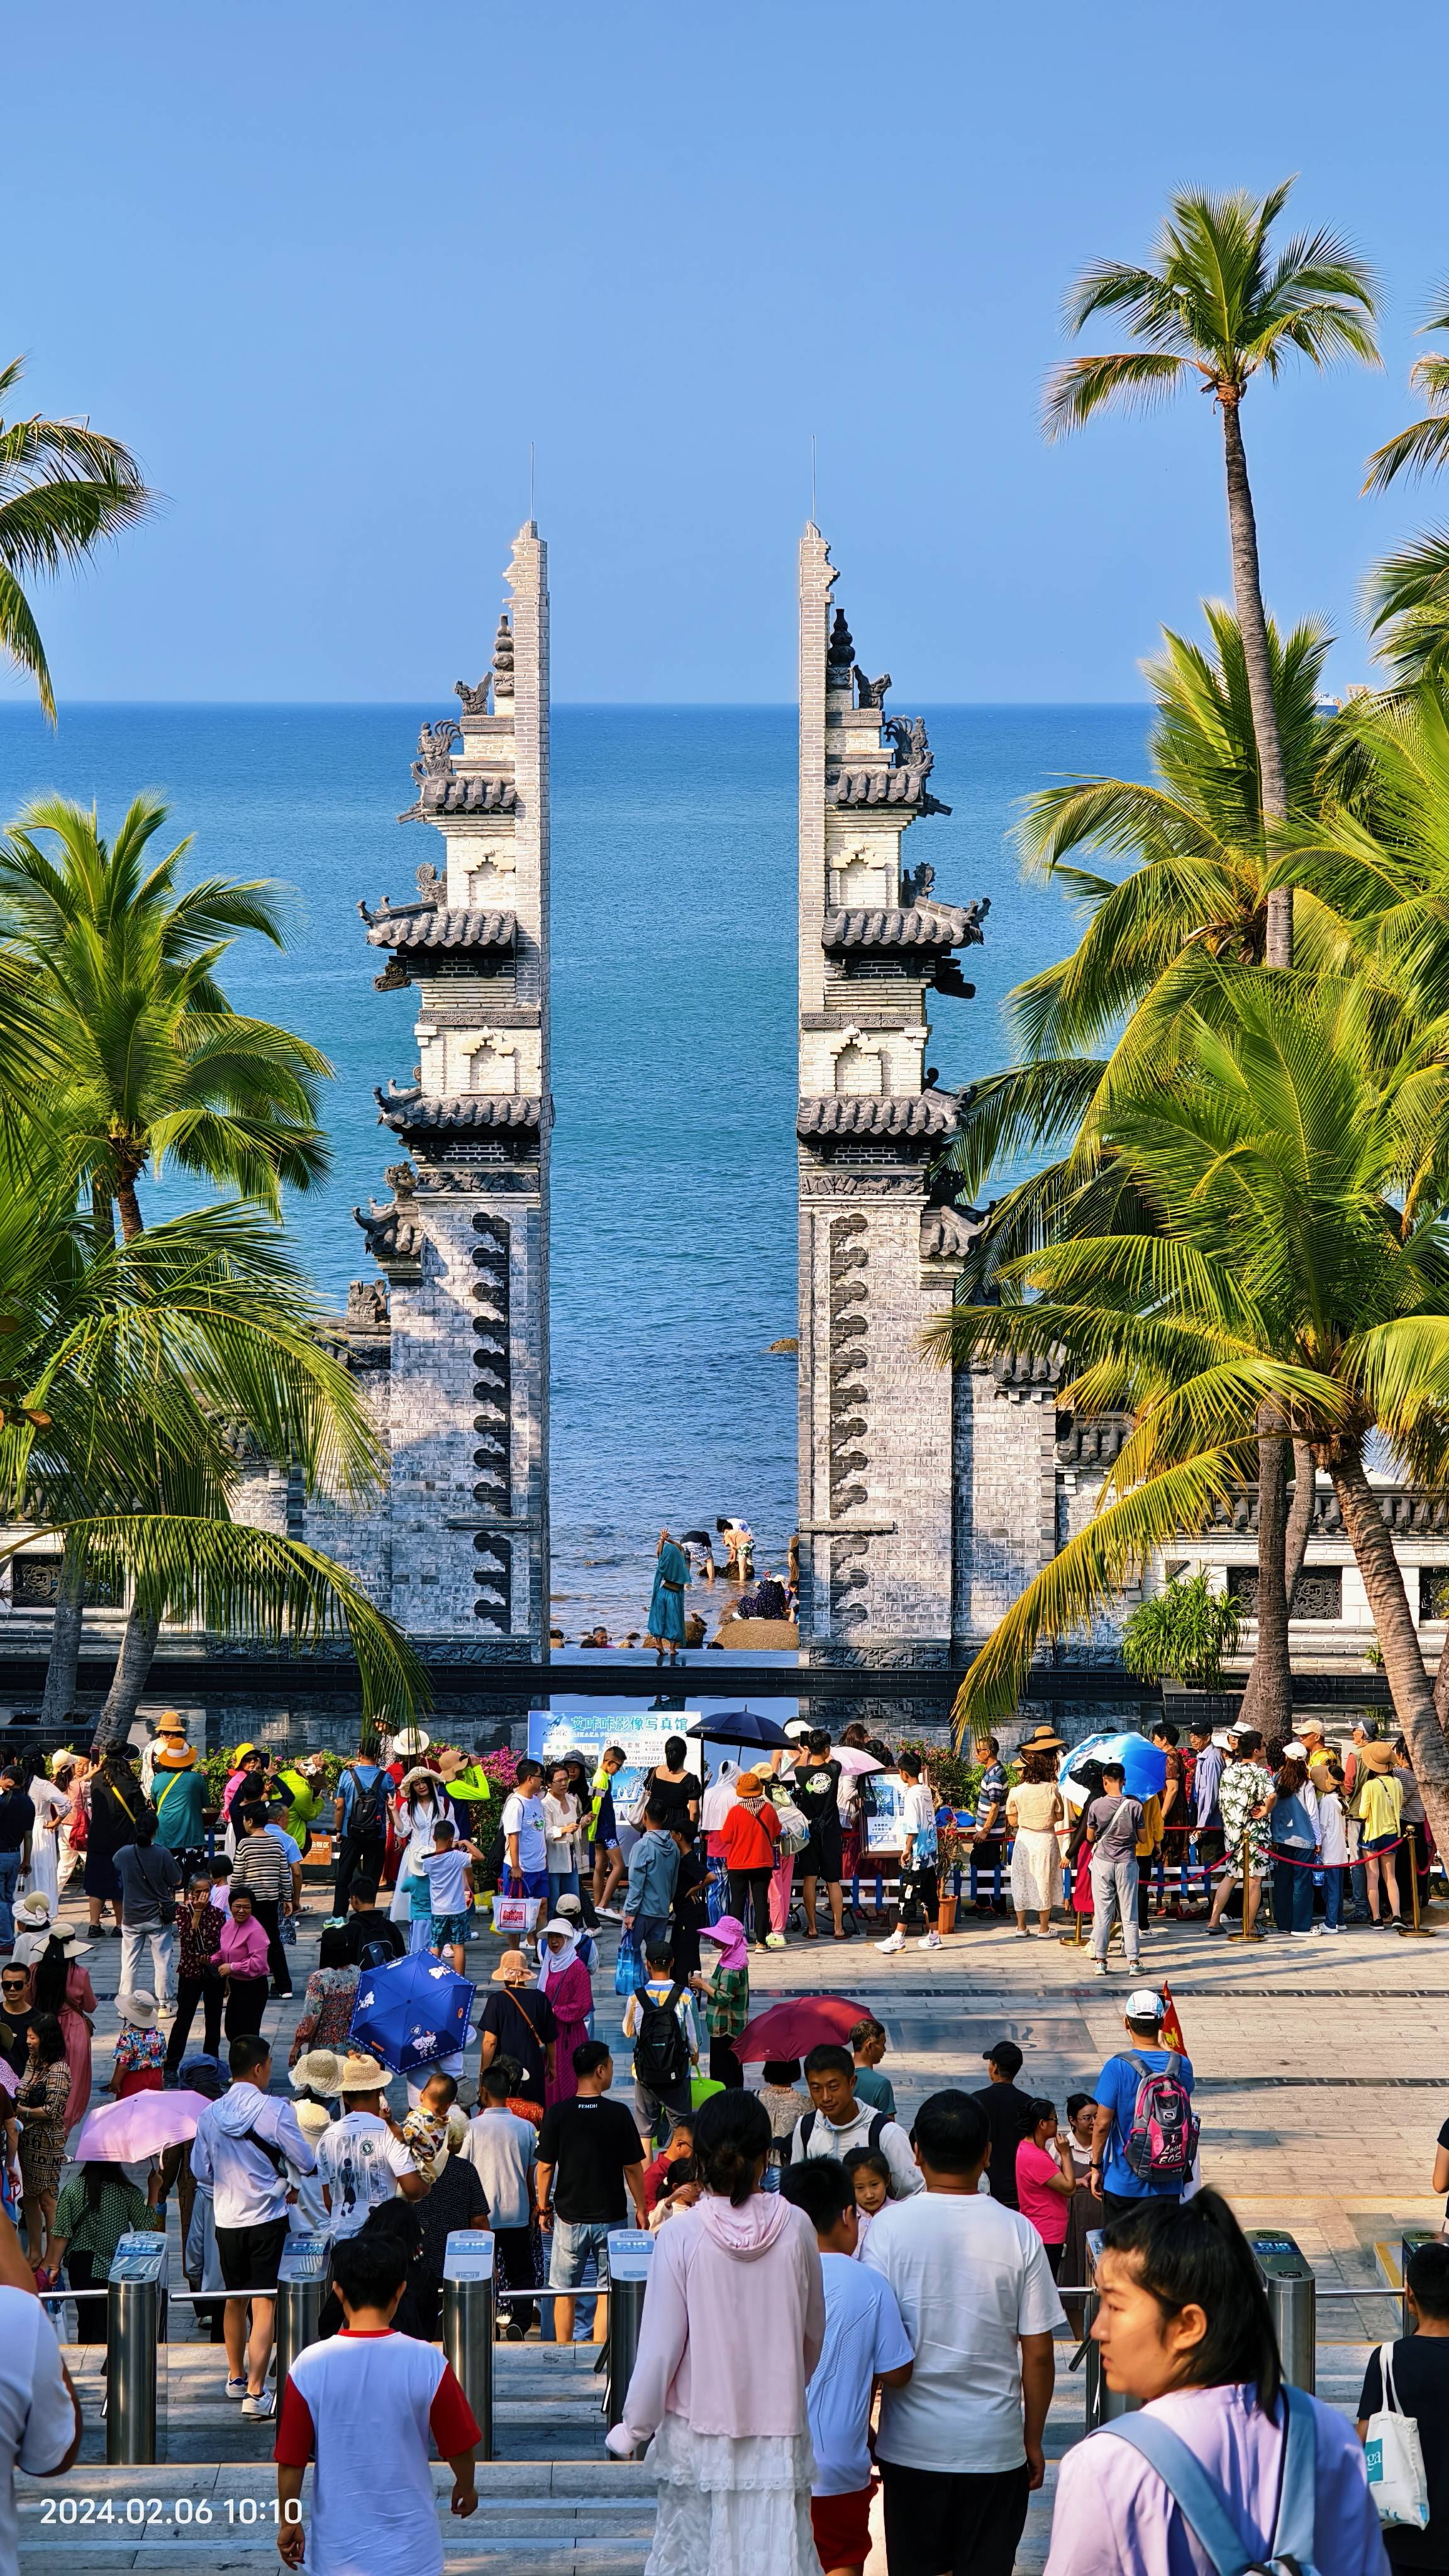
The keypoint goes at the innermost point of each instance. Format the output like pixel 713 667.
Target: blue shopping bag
pixel 628 1967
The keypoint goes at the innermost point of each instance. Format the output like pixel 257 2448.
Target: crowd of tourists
pixel 839 2293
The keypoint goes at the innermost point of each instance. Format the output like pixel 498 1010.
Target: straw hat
pixel 512 1970
pixel 419 1772
pixel 1377 1755
pixel 361 2075
pixel 36 1910
pixel 139 2011
pixel 317 2072
pixel 1042 1739
pixel 451 1761
pixel 171 1722
pixel 411 1740
pixel 313 2119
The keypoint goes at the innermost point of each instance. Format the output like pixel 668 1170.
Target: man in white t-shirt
pixel 525 1837
pixel 40 2417
pixel 918 1858
pixel 837 2122
pixel 866 2344
pixel 360 2162
pixel 501 2148
pixel 980 2306
pixel 368 2406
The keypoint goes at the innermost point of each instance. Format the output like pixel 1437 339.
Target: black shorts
pixel 941 2524
pixel 823 1855
pixel 249 2255
pixel 1211 1844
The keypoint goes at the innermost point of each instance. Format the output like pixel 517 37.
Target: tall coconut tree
pixel 1199 877
pixel 1296 1168
pixel 63 488
pixel 155 1065
pixel 132 1369
pixel 1408 593
pixel 1216 306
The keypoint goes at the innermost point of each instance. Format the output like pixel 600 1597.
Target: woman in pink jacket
pixel 733 2324
pixel 243 1961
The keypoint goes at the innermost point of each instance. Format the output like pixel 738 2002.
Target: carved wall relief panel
pixel 493 1417
pixel 849 1409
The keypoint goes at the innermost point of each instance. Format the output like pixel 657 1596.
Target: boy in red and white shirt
pixel 367 2406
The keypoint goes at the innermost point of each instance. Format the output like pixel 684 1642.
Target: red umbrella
pixel 790 2029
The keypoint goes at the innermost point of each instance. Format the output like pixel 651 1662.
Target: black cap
pixel 1006 2055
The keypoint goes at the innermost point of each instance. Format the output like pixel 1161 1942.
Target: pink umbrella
pixel 852 1761
pixel 122 2133
pixel 9 2080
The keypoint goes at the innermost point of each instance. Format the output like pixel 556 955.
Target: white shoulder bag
pixel 1394 2457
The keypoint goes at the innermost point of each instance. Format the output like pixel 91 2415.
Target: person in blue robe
pixel 666 1604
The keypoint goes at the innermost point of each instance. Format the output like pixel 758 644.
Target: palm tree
pixel 1297 1173
pixel 1198 889
pixel 63 487
pixel 157 1065
pixel 136 1366
pixel 1217 308
pixel 1408 593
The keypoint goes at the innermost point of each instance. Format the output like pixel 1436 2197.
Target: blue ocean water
pixel 674 1036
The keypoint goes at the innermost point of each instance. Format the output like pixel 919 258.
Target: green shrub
pixel 1181 1634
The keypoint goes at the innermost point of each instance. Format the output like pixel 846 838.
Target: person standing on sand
pixel 666 1604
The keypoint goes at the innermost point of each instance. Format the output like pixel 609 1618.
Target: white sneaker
pixel 610 1914
pixel 896 1941
pixel 775 1941
pixel 266 2404
pixel 931 1941
pixel 1101 1966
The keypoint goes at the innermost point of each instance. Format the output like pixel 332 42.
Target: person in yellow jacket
pixel 1378 1803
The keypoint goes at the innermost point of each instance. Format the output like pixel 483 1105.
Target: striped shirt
pixel 261 1865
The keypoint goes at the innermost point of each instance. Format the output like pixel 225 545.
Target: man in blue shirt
pixel 359 1817
pixel 1121 2189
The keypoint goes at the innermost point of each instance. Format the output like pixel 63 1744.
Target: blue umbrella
pixel 411 2013
pixel 740 1726
pixel 1145 1764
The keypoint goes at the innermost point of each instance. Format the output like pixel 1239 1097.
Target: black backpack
pixel 367 1815
pixel 661 2058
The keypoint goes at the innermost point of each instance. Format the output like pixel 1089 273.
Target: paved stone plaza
pixel 1321 2096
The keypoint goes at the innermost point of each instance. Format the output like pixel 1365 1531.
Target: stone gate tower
pixel 878 1436
pixel 463 1242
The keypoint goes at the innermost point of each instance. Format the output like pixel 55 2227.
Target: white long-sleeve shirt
pixel 245 2185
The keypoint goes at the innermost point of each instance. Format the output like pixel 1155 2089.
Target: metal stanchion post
pixel 301 2282
pixel 1417 1930
pixel 1288 2278
pixel 630 2249
pixel 1245 1856
pixel 1103 2404
pixel 468 2323
pixel 135 2323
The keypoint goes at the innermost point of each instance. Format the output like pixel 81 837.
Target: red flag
pixel 1171 2027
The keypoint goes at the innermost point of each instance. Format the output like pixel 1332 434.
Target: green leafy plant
pixel 1181 1634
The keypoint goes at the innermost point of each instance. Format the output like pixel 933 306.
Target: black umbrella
pixel 740 1726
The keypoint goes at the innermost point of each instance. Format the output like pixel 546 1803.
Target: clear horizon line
pixel 668 706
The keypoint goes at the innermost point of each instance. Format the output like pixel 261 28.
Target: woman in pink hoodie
pixel 734 2320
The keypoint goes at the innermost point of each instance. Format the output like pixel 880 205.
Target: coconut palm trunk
pixel 1253 1709
pixel 133 1666
pixel 65 1638
pixel 1413 1697
pixel 1253 625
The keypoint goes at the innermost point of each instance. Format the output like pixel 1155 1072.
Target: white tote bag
pixel 1394 2457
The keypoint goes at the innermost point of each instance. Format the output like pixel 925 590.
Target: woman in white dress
pixel 733 2326
pixel 418 1807
pixel 52 1807
pixel 1033 1812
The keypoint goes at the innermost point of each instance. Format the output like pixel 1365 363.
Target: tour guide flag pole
pixel 1171 2026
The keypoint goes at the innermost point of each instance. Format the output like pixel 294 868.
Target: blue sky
pixel 330 268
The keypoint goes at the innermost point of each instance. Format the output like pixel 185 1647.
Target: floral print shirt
pixel 1242 1788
